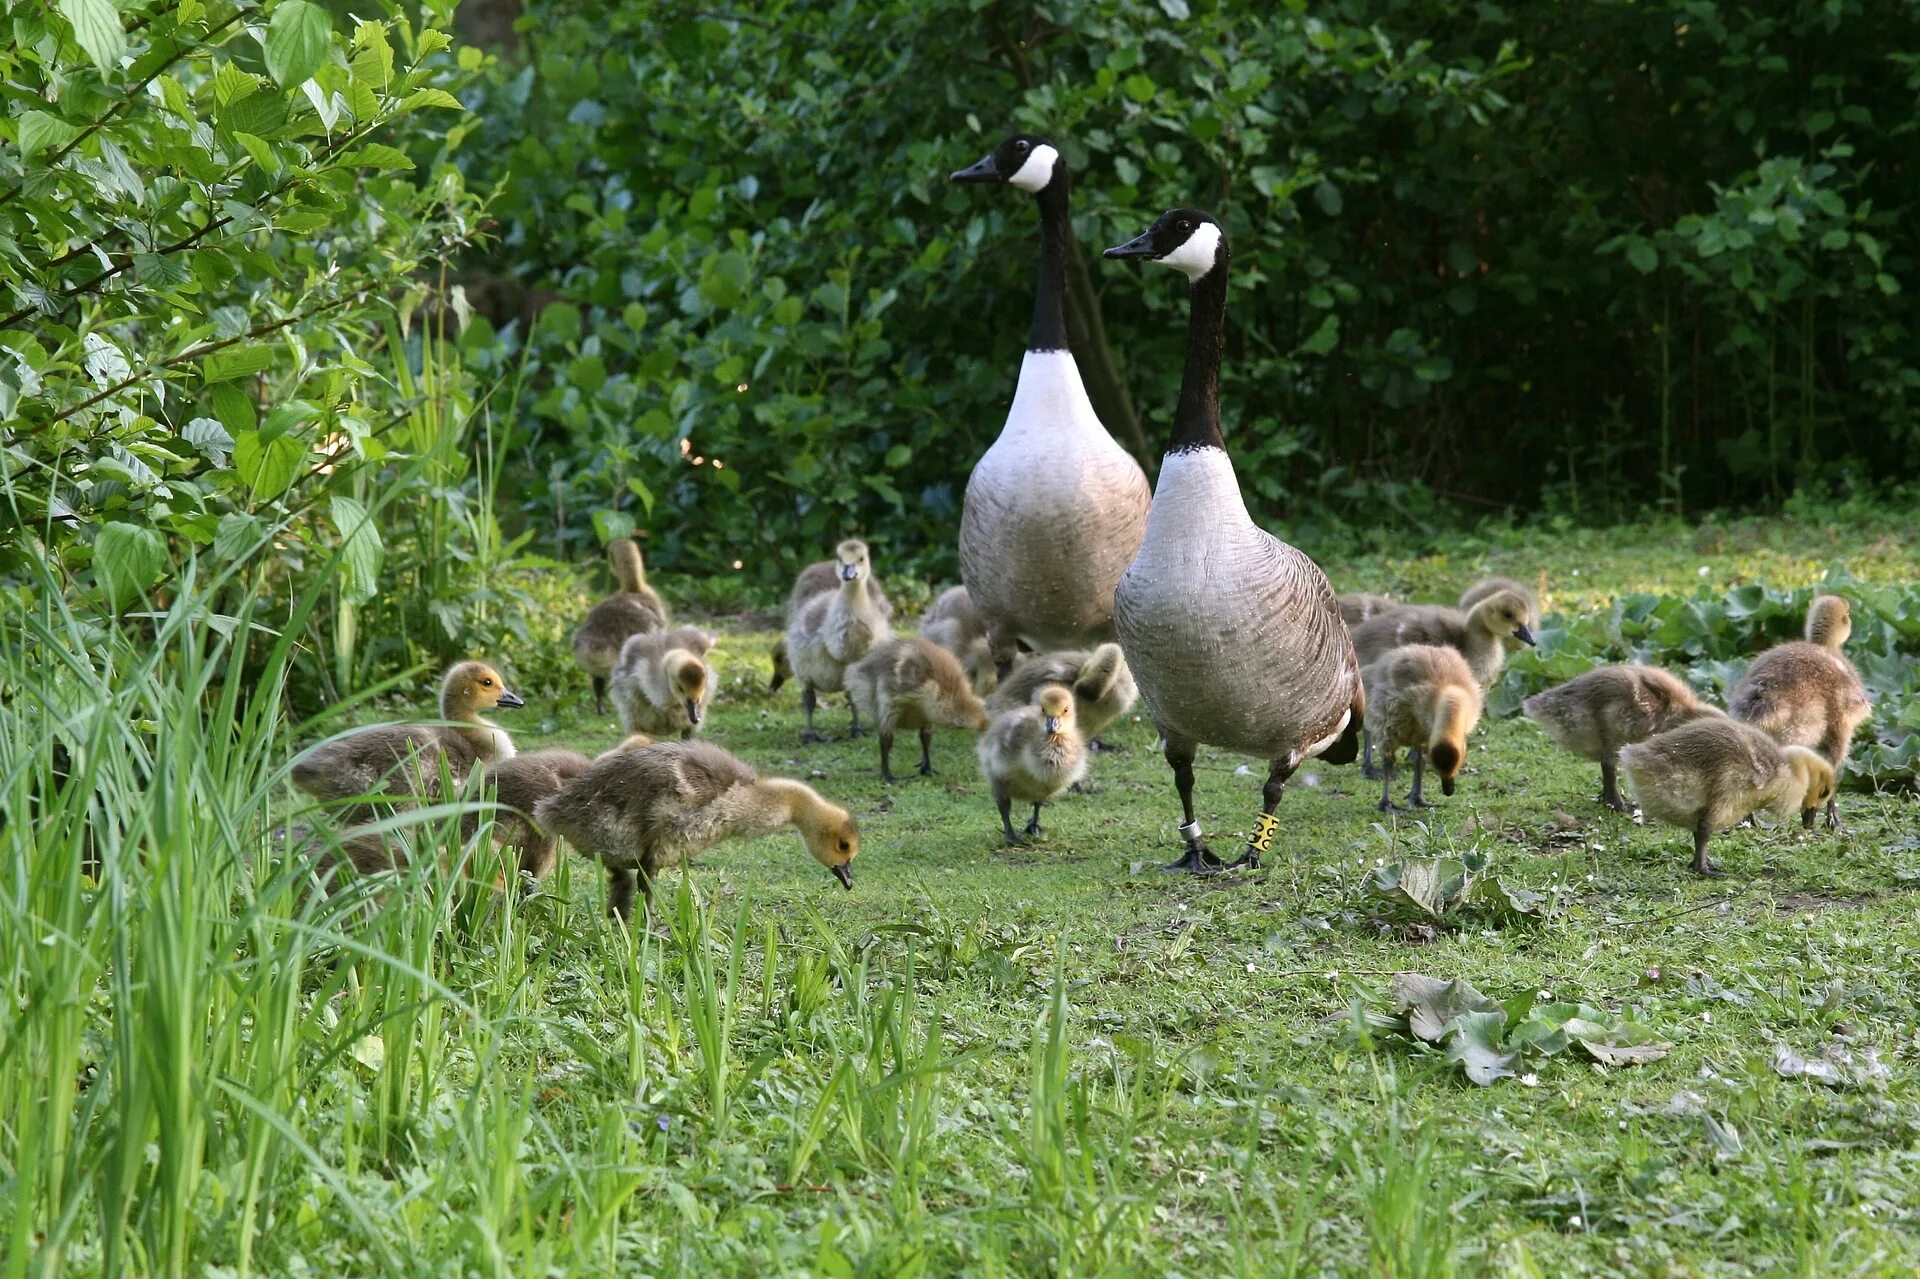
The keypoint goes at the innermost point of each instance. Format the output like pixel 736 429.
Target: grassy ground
pixel 1050 1060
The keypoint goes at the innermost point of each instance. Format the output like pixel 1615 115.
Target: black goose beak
pixel 848 572
pixel 693 711
pixel 1140 246
pixel 1524 635
pixel 1806 818
pixel 985 171
pixel 844 873
pixel 508 701
pixel 1053 724
pixel 1446 786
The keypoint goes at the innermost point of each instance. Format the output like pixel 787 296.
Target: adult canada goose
pixel 1806 693
pixel 1709 774
pixel 1232 635
pixel 817 578
pixel 643 811
pixel 956 625
pixel 1479 634
pixel 404 760
pixel 911 682
pixel 663 682
pixel 1055 509
pixel 1425 697
pixel 1595 714
pixel 833 630
pixel 1032 753
pixel 1487 586
pixel 634 609
pixel 1357 606
pixel 1103 688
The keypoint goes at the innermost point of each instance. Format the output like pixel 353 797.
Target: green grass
pixel 1051 1060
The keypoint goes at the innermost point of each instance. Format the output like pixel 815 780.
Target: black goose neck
pixel 1196 422
pixel 1050 304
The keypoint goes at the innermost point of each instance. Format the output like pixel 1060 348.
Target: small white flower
pixel 1530 1080
pixel 1705 571
pixel 1575 1220
pixel 1250 967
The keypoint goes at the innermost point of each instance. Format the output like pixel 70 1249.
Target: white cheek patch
pixel 1195 258
pixel 1038 170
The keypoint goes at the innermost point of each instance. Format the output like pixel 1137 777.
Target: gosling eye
pixel 486 683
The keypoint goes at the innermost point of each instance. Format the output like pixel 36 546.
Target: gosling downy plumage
pixel 956 625
pixel 1103 688
pixel 1806 693
pixel 834 629
pixel 912 683
pixel 404 761
pixel 634 609
pixel 1595 714
pixel 643 811
pixel 1031 753
pixel 1709 774
pixel 1232 635
pixel 1055 509
pixel 1488 586
pixel 1479 635
pixel 663 682
pixel 1424 697
pixel 1357 606
pixel 521 783
pixel 817 578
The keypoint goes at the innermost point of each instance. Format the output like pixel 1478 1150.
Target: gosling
pixel 1103 687
pixel 1707 775
pixel 834 629
pixel 822 577
pixel 1487 586
pixel 663 683
pixel 1032 753
pixel 1806 693
pixel 634 609
pixel 647 810
pixel 911 682
pixel 956 625
pixel 1595 714
pixel 520 783
pixel 1479 634
pixel 1425 697
pixel 1358 606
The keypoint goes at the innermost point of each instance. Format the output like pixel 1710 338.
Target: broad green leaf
pixel 231 84
pixel 234 407
pixel 210 437
pixel 360 550
pixel 267 468
pixel 160 270
pixel 1430 1004
pixel 127 559
pixel 299 36
pixel 641 491
pixel 241 360
pixel 261 151
pixel 1473 1040
pixel 432 98
pixel 377 155
pixel 96 25
pixel 1641 254
pixel 238 534
pixel 42 132
pixel 611 525
pixel 372 62
pixel 1324 338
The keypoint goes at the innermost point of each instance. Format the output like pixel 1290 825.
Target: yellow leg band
pixel 1263 829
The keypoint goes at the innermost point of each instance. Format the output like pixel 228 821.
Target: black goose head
pixel 1023 160
pixel 1188 240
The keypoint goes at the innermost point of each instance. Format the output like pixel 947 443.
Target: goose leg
pixel 620 891
pixel 926 752
pixel 808 700
pixel 1198 860
pixel 1368 769
pixel 537 856
pixel 1004 802
pixel 781 670
pixel 1701 866
pixel 1261 841
pixel 1099 747
pixel 599 694
pixel 853 714
pixel 1833 813
pixel 1416 799
pixel 1385 773
pixel 886 757
pixel 1610 784
pixel 1033 825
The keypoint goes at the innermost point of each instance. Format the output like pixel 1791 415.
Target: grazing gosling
pixel 520 783
pixel 834 629
pixel 1103 687
pixel 1488 586
pixel 1479 634
pixel 1357 606
pixel 956 625
pixel 1425 697
pixel 664 682
pixel 403 761
pixel 634 609
pixel 1032 753
pixel 1806 693
pixel 911 682
pixel 818 578
pixel 1595 714
pixel 643 811
pixel 1707 775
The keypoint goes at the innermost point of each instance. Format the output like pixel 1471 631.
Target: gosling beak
pixel 508 701
pixel 1806 818
pixel 985 171
pixel 693 712
pixel 1140 246
pixel 1053 724
pixel 1524 635
pixel 849 571
pixel 1446 786
pixel 844 873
